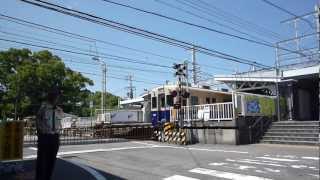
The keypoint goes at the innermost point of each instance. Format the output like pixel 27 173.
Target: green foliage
pixel 28 76
pixel 267 105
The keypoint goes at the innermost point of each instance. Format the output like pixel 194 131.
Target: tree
pixel 29 76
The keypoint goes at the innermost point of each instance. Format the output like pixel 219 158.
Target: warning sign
pixel 11 140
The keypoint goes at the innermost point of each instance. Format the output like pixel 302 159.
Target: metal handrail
pixel 260 125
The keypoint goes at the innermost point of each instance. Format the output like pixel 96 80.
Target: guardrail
pixel 99 134
pixel 215 112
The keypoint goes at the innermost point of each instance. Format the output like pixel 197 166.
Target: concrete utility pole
pixel 194 67
pixel 104 80
pixel 317 9
pixel 104 87
pixel 130 87
pixel 277 83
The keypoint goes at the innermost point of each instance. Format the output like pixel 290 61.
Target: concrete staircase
pixel 293 132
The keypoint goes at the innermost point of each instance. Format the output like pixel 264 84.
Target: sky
pixel 262 22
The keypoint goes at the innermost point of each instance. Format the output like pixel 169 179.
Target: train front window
pixel 207 100
pixel 154 102
pixel 214 100
pixel 162 101
pixel 194 100
pixel 169 100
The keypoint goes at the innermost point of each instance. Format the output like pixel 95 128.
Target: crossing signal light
pixel 186 94
pixel 180 69
pixel 174 93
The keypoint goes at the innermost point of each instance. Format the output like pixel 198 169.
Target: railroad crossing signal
pixel 181 69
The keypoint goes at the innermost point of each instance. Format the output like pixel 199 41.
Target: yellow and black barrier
pixel 171 135
pixel 11 140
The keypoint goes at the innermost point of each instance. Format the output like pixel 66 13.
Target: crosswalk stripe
pixel 179 177
pixel 226 175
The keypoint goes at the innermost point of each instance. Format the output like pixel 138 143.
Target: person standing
pixel 48 124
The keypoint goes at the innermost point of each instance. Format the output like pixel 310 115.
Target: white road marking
pixel 218 150
pixel 273 162
pixel 33 148
pixel 179 177
pixel 242 167
pixel 226 175
pixel 93 172
pixel 286 156
pixel 30 157
pixel 314 168
pixel 260 171
pixel 314 175
pixel 278 159
pixel 217 164
pixel 298 166
pixel 252 162
pixel 312 158
pixel 272 170
pixel 143 143
pixel 92 151
pixel 194 149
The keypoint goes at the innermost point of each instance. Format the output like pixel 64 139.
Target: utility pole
pixel 194 66
pixel 317 9
pixel 104 87
pixel 277 84
pixel 130 88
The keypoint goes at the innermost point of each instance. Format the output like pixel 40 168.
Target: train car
pixel 162 100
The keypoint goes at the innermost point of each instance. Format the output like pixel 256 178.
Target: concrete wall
pixel 212 136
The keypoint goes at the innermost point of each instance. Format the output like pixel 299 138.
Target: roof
pixel 131 101
pixel 269 75
pixel 191 88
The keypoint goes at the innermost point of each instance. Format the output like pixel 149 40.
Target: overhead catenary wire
pixel 83 53
pixel 110 56
pixel 119 78
pixel 287 11
pixel 208 19
pixel 182 21
pixel 266 44
pixel 119 67
pixel 78 36
pixel 91 39
pixel 234 19
pixel 141 32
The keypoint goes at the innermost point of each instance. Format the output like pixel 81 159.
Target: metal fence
pixel 217 111
pixel 97 134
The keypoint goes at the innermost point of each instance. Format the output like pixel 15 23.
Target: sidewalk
pixel 64 170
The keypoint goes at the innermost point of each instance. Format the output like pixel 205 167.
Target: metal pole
pixel 277 84
pixel 103 65
pixel 194 66
pixel 187 80
pixel 318 31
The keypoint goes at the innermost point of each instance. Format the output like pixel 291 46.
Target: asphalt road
pixel 139 160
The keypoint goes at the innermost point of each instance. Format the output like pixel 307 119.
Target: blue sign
pixel 253 106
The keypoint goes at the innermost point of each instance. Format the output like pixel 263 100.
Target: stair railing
pixel 257 129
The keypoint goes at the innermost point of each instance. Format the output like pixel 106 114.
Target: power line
pixel 86 54
pixel 109 56
pixel 140 32
pixel 119 78
pixel 268 44
pixel 288 12
pixel 77 36
pixel 192 24
pixel 39 26
pixel 231 18
pixel 182 21
pixel 120 67
pixel 192 5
